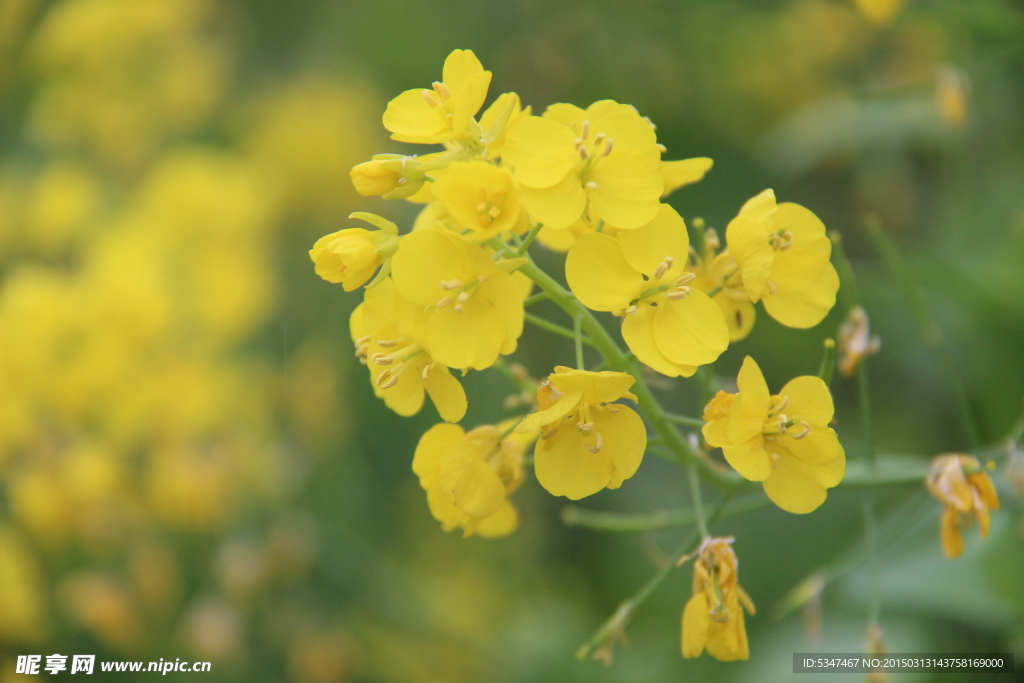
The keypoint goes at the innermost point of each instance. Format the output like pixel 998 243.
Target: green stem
pixel 639 522
pixel 577 330
pixel 613 627
pixel 828 361
pixel 925 323
pixel 528 240
pixel 619 361
pixel 698 502
pixel 536 298
pixel 554 328
pixel 685 420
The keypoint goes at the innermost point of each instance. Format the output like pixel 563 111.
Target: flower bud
pixel 372 178
pixel 351 256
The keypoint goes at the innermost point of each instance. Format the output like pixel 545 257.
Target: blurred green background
pixel 193 465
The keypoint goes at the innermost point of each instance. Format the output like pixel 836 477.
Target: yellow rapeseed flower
pixel 479 197
pixel 713 618
pixel 779 255
pixel 446 111
pixel 739 313
pixel 497 118
pixel 468 476
pixel 587 442
pixel 601 163
pixel 642 275
pixel 964 488
pixel 783 441
pixel 351 256
pixel 475 304
pixel 388 332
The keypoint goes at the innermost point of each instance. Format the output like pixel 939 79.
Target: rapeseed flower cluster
pixel 448 296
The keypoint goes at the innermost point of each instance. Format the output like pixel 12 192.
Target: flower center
pixel 460 292
pixel 491 205
pixel 781 424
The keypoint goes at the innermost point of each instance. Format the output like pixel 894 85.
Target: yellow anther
pixel 650 123
pixel 598 443
pixel 585 130
pixel 494 212
pixel 585 427
pixel 425 374
pixel 609 147
pixel 481 207
pixel 382 359
pixel 663 267
pixel 678 294
pixel 772 288
pixel 775 458
pixel 599 138
pixel 362 341
pixel 442 90
pixel 449 285
pixel 685 278
pixel 444 301
pixel 591 185
pixel 662 148
pixel 584 154
pixel 388 343
pixel 431 100
pixel 631 310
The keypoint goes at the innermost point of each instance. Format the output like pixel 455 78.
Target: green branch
pixel 639 522
pixel 554 328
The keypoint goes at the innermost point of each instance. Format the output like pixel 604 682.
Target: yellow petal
pixel 465 77
pixel 819 447
pixel 677 174
pixel 565 404
pixel 628 189
pixel 748 238
pixel 467 101
pixel 566 468
pixel 446 392
pixel 985 488
pixel 566 114
pixel 749 459
pixel 696 619
pixel 949 531
pixel 470 338
pixel 750 407
pixel 501 523
pixel 541 152
pixel 556 206
pixel 638 333
pixel 628 131
pixel 800 487
pixel 646 247
pixel 469 481
pixel 739 316
pixel 810 399
pixel 599 275
pixel 442 509
pixel 727 642
pixel 427 258
pixel 431 448
pixel 624 437
pixel 596 387
pixel 691 331
pixel 411 119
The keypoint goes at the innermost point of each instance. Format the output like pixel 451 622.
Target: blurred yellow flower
pixel 588 443
pixel 879 11
pixel 601 163
pixel 468 476
pixel 641 274
pixel 389 332
pixel 856 341
pixel 964 488
pixel 351 256
pixel 22 606
pixel 446 112
pixel 713 618
pixel 683 172
pixel 783 441
pixel 476 304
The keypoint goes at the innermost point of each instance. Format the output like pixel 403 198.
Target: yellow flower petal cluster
pixel 480 198
pixel 713 618
pixel 388 332
pixel 588 442
pixel 468 476
pixel 445 112
pixel 964 489
pixel 781 440
pixel 779 254
pixel 353 255
pixel 642 275
pixel 602 162
pixel 475 305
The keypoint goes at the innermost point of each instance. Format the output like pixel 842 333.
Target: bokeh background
pixel 192 463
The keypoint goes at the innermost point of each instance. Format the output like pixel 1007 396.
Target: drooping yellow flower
pixel 588 443
pixel 713 618
pixel 779 255
pixel 388 332
pixel 468 476
pixel 445 112
pixel 351 256
pixel 601 162
pixel 479 197
pixel 783 441
pixel 856 341
pixel 964 488
pixel 641 274
pixel 683 172
pixel 475 304
pixel 374 178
